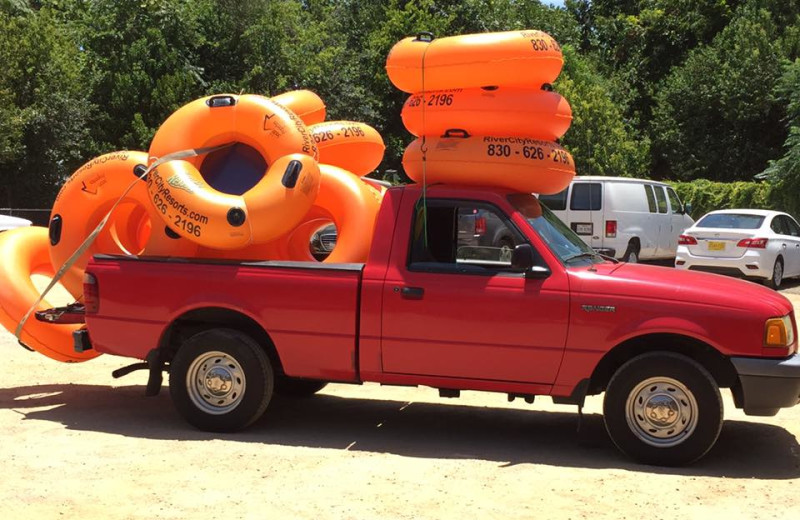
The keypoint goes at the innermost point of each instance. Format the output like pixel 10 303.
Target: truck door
pixel 453 307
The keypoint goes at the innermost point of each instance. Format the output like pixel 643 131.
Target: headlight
pixel 779 332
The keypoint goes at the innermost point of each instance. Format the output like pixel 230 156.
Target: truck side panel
pixel 309 313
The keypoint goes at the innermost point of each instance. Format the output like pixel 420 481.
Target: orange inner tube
pixel 352 206
pixel 519 111
pixel 513 58
pixel 274 205
pixel 355 147
pixel 308 106
pixel 86 198
pixel 515 163
pixel 25 252
pixel 219 220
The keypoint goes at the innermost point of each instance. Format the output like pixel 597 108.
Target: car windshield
pixel 731 221
pixel 563 242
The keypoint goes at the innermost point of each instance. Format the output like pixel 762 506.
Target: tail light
pixel 611 228
pixel 687 240
pixel 753 243
pixel 91 293
pixel 480 225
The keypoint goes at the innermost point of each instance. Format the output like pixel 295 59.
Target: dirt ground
pixel 79 444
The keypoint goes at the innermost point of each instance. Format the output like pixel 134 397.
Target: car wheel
pixel 292 387
pixel 631 254
pixel 220 380
pixel 777 275
pixel 663 408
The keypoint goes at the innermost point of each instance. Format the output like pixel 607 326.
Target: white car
pixel 7 222
pixel 751 243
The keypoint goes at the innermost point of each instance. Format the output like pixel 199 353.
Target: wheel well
pixel 635 243
pixel 199 320
pixel 719 366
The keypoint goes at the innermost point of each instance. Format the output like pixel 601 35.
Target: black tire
pixel 236 365
pixel 632 253
pixel 666 385
pixel 298 388
pixel 775 281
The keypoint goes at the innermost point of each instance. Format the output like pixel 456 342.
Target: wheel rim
pixel 777 274
pixel 661 412
pixel 215 382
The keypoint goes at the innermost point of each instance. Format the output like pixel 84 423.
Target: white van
pixel 629 219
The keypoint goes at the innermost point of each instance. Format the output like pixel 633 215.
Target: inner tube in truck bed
pixel 352 206
pixel 305 104
pixel 25 253
pixel 353 146
pixel 515 163
pixel 284 187
pixel 513 58
pixel 519 111
pixel 134 227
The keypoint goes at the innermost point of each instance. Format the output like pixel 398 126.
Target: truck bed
pixel 310 310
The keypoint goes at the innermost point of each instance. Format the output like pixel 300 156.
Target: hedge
pixel 705 195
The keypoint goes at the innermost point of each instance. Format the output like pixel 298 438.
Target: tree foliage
pixel 675 89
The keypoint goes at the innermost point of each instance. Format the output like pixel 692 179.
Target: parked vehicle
pixel 750 243
pixel 553 319
pixel 322 242
pixel 8 222
pixel 629 219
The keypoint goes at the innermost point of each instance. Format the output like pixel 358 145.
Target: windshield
pixel 563 242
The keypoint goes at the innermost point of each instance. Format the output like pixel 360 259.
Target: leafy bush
pixel 705 195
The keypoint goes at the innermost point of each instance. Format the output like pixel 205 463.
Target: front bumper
pixel 766 385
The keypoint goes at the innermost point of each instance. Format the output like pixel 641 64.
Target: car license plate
pixel 583 229
pixel 714 245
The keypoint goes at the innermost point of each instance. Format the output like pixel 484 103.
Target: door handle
pixel 412 293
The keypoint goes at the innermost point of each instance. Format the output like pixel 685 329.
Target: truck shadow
pixel 431 430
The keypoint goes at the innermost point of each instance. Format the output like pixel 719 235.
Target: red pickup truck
pixel 437 306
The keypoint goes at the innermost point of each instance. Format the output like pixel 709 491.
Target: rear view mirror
pixel 523 259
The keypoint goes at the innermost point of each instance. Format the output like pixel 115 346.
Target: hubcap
pixel 661 412
pixel 777 275
pixel 215 382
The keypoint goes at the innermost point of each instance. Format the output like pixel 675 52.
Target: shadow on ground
pixel 432 430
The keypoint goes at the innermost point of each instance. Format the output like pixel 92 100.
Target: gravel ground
pixel 78 444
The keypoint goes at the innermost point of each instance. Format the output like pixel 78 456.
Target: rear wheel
pixel 663 408
pixel 777 275
pixel 632 253
pixel 220 380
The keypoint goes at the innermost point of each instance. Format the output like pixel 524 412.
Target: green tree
pixel 44 106
pixel 715 118
pixel 599 139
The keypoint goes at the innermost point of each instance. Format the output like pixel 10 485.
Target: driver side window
pixel 462 236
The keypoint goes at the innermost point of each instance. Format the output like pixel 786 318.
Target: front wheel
pixel 663 408
pixel 221 380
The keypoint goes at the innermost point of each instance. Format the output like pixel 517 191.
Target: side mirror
pixel 687 208
pixel 522 259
